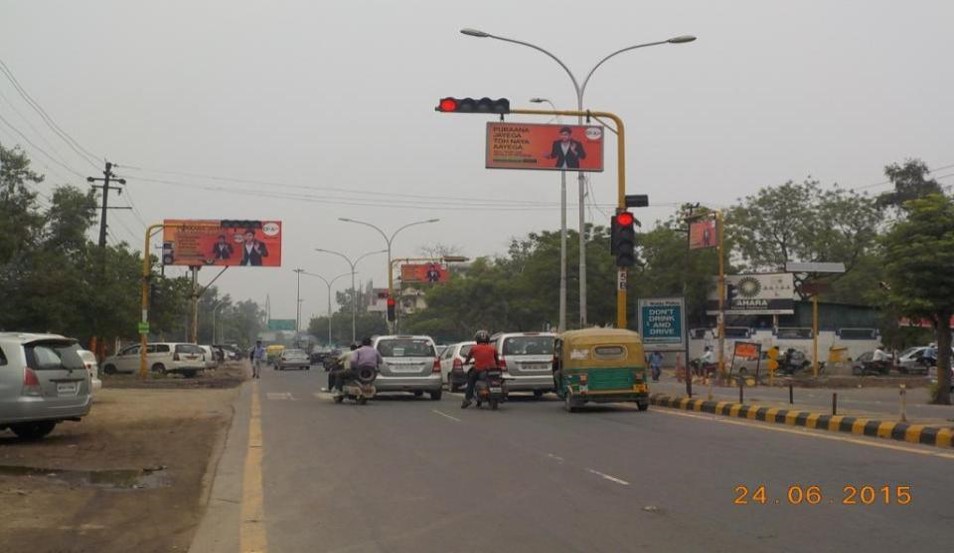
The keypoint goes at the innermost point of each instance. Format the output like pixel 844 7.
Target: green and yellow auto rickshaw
pixel 600 365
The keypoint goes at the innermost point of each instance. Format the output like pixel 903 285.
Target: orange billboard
pixel 702 234
pixel 548 147
pixel 198 242
pixel 414 273
pixel 747 351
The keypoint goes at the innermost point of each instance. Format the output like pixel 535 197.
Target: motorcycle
pixel 794 362
pixel 491 388
pixel 359 388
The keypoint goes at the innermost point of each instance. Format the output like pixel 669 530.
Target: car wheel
pixel 436 396
pixel 109 369
pixel 33 430
pixel 418 393
pixel 189 374
pixel 362 400
pixel 493 404
pixel 338 399
pixel 159 368
pixel 642 405
pixel 537 394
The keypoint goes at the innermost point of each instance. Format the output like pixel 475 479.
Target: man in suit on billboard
pixel 566 151
pixel 222 250
pixel 252 250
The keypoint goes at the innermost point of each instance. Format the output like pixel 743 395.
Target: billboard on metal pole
pixel 755 294
pixel 198 242
pixel 546 147
pixel 702 234
pixel 424 273
pixel 662 322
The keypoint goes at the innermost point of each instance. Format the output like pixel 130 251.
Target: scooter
pixel 491 388
pixel 360 388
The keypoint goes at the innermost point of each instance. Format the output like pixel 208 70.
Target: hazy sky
pixel 329 108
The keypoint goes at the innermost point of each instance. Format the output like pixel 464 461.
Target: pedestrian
pixel 258 358
pixel 655 365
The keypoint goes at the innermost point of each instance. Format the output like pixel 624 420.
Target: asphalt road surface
pixel 415 475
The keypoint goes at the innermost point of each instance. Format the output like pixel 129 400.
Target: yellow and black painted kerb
pixel 938 436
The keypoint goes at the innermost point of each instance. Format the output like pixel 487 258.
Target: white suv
pixel 161 357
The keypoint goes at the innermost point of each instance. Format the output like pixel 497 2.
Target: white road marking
pixel 556 458
pixel 812 433
pixel 279 395
pixel 446 415
pixel 608 477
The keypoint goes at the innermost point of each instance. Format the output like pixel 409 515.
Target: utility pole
pixel 108 177
pixel 298 302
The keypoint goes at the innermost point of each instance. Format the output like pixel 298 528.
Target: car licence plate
pixel 537 367
pixel 496 390
pixel 67 388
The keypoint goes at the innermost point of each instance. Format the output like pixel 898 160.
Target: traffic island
pixel 926 434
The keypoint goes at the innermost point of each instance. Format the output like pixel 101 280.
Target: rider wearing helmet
pixel 485 358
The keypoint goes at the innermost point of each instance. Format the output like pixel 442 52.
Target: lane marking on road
pixel 556 458
pixel 455 419
pixel 805 432
pixel 279 395
pixel 608 477
pixel 252 527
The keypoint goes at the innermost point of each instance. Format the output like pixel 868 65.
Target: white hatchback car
pixel 453 369
pixel 410 365
pixel 92 367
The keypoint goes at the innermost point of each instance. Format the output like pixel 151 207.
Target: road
pixel 417 475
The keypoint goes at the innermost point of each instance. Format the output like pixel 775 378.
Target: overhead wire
pixel 69 140
pixel 39 149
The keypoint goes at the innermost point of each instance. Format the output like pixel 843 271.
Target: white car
pixel 453 370
pixel 211 361
pixel 528 358
pixel 162 357
pixel 410 365
pixel 92 367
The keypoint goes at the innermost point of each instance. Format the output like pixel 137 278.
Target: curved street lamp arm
pixel 616 53
pixel 360 257
pixel 375 227
pixel 339 254
pixel 395 233
pixel 576 85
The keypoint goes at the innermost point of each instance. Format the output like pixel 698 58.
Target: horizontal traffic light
pixel 473 105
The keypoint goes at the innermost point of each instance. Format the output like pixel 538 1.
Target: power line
pixel 70 141
pixel 33 128
pixel 39 149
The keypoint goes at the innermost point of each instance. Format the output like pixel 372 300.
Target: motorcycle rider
pixel 341 364
pixel 485 359
pixel 364 357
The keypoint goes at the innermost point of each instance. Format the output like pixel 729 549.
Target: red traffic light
pixel 624 219
pixel 447 104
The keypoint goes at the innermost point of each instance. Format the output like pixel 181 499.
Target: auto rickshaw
pixel 600 365
pixel 273 353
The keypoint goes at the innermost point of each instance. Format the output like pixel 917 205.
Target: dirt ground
pixel 129 477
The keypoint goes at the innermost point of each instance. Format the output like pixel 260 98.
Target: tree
pixel 802 222
pixel 910 183
pixel 919 266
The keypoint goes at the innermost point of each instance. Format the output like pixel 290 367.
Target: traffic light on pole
pixel 473 105
pixel 623 238
pixel 392 311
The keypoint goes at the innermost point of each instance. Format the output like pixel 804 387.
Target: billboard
pixel 281 324
pixel 755 294
pixel 550 147
pixel 198 242
pixel 423 273
pixel 702 234
pixel 661 323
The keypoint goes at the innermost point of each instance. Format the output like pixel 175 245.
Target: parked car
pixel 161 357
pixel 43 381
pixel 864 365
pixel 453 369
pixel 211 358
pixel 92 367
pixel 410 365
pixel 528 358
pixel 912 361
pixel 293 359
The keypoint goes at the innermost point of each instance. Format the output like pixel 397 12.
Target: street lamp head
pixel 474 32
pixel 681 39
pixel 345 219
pixel 432 221
pixel 538 100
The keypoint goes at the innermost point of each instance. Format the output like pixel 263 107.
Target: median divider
pixel 926 434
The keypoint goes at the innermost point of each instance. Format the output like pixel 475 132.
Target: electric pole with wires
pixel 108 177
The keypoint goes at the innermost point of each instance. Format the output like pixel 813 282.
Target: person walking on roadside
pixel 258 359
pixel 655 365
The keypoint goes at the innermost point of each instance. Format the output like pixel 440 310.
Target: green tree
pixel 919 266
pixel 910 183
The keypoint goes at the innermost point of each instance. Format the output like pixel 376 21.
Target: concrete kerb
pixel 937 436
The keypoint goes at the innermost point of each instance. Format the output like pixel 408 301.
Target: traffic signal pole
pixel 622 276
pixel 144 322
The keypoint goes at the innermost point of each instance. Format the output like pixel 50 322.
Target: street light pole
pixel 329 284
pixel 214 311
pixel 299 270
pixel 579 90
pixel 561 325
pixel 354 292
pixel 389 240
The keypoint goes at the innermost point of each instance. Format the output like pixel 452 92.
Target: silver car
pixel 528 359
pixel 293 359
pixel 43 381
pixel 410 365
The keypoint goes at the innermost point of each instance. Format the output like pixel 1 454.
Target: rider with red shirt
pixel 485 359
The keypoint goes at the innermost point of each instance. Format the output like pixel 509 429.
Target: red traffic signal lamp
pixel 392 309
pixel 623 238
pixel 472 105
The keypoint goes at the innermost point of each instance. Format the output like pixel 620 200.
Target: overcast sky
pixel 328 106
